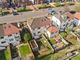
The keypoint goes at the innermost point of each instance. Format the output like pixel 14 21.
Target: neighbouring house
pixel 40 26
pixel 52 31
pixel 59 21
pixel 74 18
pixel 9 33
pixel 34 45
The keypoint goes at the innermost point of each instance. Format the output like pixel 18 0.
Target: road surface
pixel 24 16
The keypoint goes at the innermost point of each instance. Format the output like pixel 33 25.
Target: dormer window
pixel 1 37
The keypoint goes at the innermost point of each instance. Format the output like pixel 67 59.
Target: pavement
pixel 24 16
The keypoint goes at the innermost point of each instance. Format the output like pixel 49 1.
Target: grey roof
pixel 40 22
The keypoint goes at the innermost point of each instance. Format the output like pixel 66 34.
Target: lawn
pixel 53 41
pixel 47 57
pixel 47 49
pixel 27 36
pixel 5 55
pixel 76 57
pixel 45 42
pixel 24 49
pixel 68 30
pixel 63 34
pixel 53 56
pixel 72 39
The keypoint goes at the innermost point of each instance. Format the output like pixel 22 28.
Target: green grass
pixel 27 36
pixel 24 50
pixel 45 42
pixel 72 39
pixel 5 55
pixel 47 57
pixel 63 34
pixel 58 4
pixel 76 57
pixel 53 56
pixel 46 47
pixel 68 30
pixel 22 9
pixel 42 6
pixel 53 41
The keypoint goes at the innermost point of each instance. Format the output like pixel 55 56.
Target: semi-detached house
pixel 42 25
pixel 9 33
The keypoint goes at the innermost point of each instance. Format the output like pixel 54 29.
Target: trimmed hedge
pixel 42 6
pixel 71 3
pixel 23 9
pixel 59 4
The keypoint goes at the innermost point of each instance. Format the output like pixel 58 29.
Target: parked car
pixel 15 12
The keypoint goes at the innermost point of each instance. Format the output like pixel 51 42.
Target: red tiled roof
pixel 52 29
pixel 71 16
pixel 77 15
pixel 10 29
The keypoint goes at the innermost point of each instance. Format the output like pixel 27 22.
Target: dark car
pixel 15 13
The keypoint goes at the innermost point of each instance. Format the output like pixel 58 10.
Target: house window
pixel 1 37
pixel 17 40
pixel 16 33
pixel 34 34
pixel 17 37
pixel 3 42
pixel 10 39
pixel 39 32
pixel 38 27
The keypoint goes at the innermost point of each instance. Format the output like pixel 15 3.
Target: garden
pixel 76 57
pixel 44 47
pixel 72 39
pixel 5 54
pixel 24 49
pixel 42 6
pixel 52 40
pixel 63 34
pixel 23 9
pixel 25 35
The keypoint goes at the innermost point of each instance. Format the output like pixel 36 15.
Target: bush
pixel 42 6
pixel 22 9
pixel 24 50
pixel 58 4
pixel 77 8
pixel 70 3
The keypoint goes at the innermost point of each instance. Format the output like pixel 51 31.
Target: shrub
pixel 58 4
pixel 70 3
pixel 42 6
pixel 22 9
pixel 77 8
